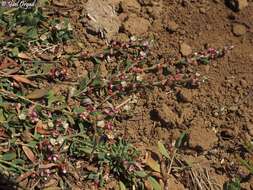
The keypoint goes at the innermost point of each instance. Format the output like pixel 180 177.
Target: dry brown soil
pixel 218 115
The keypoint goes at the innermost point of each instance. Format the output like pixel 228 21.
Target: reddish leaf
pixel 3 133
pixel 24 56
pixel 12 71
pixel 46 166
pixel 41 128
pixel 22 79
pixel 29 153
pixel 7 62
pixel 24 176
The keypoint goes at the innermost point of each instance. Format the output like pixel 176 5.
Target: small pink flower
pixel 109 126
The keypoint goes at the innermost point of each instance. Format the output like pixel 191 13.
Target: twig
pixel 171 161
pixel 123 103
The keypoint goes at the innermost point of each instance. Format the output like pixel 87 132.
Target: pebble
pixel 250 128
pixel 202 10
pixel 185 95
pixel 241 4
pixel 237 5
pixel 131 6
pixel 239 29
pixel 136 25
pixel 243 83
pixel 185 49
pixel 172 26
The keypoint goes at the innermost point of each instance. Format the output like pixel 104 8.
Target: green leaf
pixel 154 183
pixel 15 52
pixel 97 82
pixel 233 185
pixel 2 118
pixel 32 144
pixel 122 186
pixel 83 84
pixel 181 140
pixel 248 165
pixel 70 119
pixel 79 110
pixel 22 30
pixel 37 94
pixel 163 150
pixel 32 33
pixel 18 162
pixel 141 174
pixel 95 60
pixel 9 156
pixel 52 98
pixel 86 150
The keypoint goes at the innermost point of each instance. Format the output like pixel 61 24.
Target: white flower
pixel 43 37
pixel 50 124
pixel 101 124
pixel 124 84
pixel 22 116
pixel 133 38
pixel 65 125
pixel 52 141
pixel 60 140
pixel 143 54
pixel 59 26
pixel 139 78
pixel 69 27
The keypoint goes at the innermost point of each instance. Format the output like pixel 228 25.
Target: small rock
pixel 130 6
pixel 243 83
pixel 251 183
pixel 172 26
pixel 154 12
pixel 185 49
pixel 185 95
pixel 202 10
pixel 239 29
pixel 237 5
pixel 136 25
pixel 101 18
pixel 250 128
pixel 165 113
pixel 157 25
pixel 71 49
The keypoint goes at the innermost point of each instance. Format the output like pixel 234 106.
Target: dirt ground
pixel 217 113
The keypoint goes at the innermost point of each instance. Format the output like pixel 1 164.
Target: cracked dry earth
pixel 218 115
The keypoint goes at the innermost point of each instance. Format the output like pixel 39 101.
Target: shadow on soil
pixel 6 183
